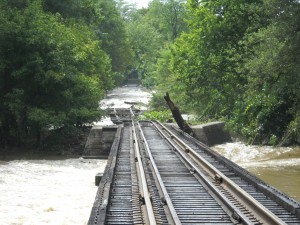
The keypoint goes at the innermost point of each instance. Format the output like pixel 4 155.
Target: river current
pixel 56 191
pixel 277 166
pixel 49 191
pixel 61 191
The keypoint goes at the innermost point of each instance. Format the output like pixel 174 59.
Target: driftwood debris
pixel 177 116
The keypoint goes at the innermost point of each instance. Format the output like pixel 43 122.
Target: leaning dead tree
pixel 177 116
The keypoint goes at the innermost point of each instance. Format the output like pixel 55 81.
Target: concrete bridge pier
pixel 101 138
pixel 212 133
pixel 99 142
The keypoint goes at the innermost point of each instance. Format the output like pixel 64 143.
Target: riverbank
pixel 70 142
pixel 56 144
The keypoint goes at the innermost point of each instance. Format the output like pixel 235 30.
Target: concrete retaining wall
pixel 99 142
pixel 212 133
pixel 101 138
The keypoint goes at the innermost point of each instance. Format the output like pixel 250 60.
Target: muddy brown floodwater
pixel 277 166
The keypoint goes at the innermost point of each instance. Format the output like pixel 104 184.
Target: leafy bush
pixel 162 116
pixel 158 102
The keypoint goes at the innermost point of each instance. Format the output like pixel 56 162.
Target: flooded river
pixel 52 191
pixel 62 191
pixel 56 191
pixel 278 166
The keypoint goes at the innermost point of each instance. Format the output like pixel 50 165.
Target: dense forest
pixel 235 60
pixel 57 59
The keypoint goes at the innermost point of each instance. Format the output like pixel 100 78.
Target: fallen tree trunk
pixel 177 116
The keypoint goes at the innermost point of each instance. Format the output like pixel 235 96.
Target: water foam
pixel 48 191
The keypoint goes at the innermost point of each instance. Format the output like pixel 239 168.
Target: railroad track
pixel 158 175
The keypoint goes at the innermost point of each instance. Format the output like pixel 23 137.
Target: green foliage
pixel 106 22
pixel 232 59
pixel 64 138
pixel 162 116
pixel 238 61
pixel 158 102
pixel 273 140
pixel 149 30
pixel 112 32
pixel 168 17
pixel 271 98
pixel 293 130
pixel 146 42
pixel 52 73
pixel 203 60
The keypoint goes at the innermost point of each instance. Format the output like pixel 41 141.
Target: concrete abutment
pixel 99 142
pixel 101 138
pixel 212 133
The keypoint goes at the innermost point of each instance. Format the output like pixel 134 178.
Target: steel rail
pixel 145 191
pixel 236 212
pixel 131 112
pixel 166 196
pixel 280 199
pixel 265 215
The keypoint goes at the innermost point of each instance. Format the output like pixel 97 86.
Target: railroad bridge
pixel 156 174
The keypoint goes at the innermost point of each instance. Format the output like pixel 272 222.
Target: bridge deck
pixel 156 175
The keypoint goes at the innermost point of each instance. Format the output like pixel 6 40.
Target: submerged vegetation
pixel 232 60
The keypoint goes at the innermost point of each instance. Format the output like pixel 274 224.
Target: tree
pixel 168 17
pixel 204 60
pixel 51 74
pixel 112 33
pixel 104 18
pixel 239 62
pixel 146 43
pixel 150 30
pixel 271 101
pixel 126 9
